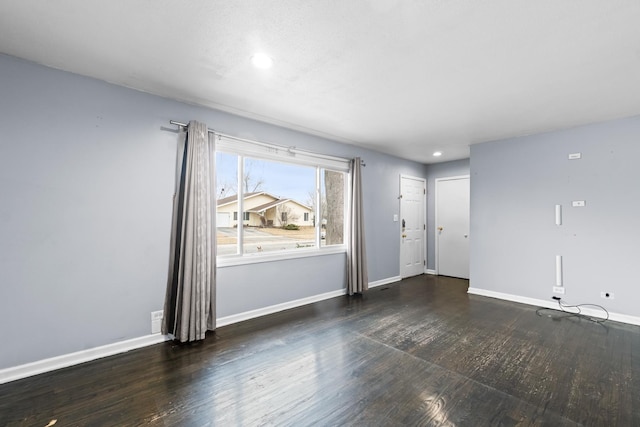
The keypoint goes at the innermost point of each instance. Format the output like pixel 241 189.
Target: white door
pixel 452 226
pixel 412 225
pixel 223 219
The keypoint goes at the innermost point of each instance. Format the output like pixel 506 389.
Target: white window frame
pixel 264 151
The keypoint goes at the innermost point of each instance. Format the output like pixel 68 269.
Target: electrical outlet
pixel 558 290
pixel 156 321
pixel 607 295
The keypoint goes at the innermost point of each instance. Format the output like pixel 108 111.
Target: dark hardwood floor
pixel 418 352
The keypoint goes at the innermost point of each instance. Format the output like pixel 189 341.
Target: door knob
pixel 440 228
pixel 404 235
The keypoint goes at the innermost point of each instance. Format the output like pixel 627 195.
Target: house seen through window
pixel 285 206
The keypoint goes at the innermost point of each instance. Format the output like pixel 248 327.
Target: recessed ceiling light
pixel 437 153
pixel 262 60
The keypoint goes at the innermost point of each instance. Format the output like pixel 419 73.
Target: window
pixel 280 195
pixel 235 216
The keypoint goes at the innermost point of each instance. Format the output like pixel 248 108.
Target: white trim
pixel 269 151
pixel 233 260
pixel 51 364
pixel 435 206
pixel 70 359
pixel 617 317
pixel 424 216
pixel 417 178
pixel 385 281
pixel 429 271
pixel 252 314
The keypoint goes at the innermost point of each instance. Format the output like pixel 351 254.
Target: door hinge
pixel 424 191
pixel 424 263
pixel 424 226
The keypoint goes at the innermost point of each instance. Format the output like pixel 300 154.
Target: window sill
pixel 231 260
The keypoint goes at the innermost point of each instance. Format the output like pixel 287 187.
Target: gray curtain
pixel 190 302
pixel 357 278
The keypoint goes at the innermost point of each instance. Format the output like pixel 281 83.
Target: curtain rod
pixel 185 125
pixel 284 147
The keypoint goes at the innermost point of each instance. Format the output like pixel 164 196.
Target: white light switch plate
pixel 156 321
pixel 578 203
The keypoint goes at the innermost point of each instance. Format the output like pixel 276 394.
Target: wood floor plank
pixel 419 352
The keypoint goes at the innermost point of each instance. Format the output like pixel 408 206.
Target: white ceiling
pixel 398 76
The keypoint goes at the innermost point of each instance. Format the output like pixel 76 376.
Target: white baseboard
pixel 617 317
pixel 66 360
pixel 70 359
pixel 252 314
pixel 235 318
pixel 384 281
pixel 428 271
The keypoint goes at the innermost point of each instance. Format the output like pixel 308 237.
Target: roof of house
pixel 277 201
pixel 234 198
pixel 266 206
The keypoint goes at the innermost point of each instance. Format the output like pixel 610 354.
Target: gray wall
pixel 86 182
pixel 433 172
pixel 515 185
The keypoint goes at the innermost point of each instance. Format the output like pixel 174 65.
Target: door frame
pixel 424 219
pixel 435 204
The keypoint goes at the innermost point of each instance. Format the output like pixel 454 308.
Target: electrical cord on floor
pixel 577 313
